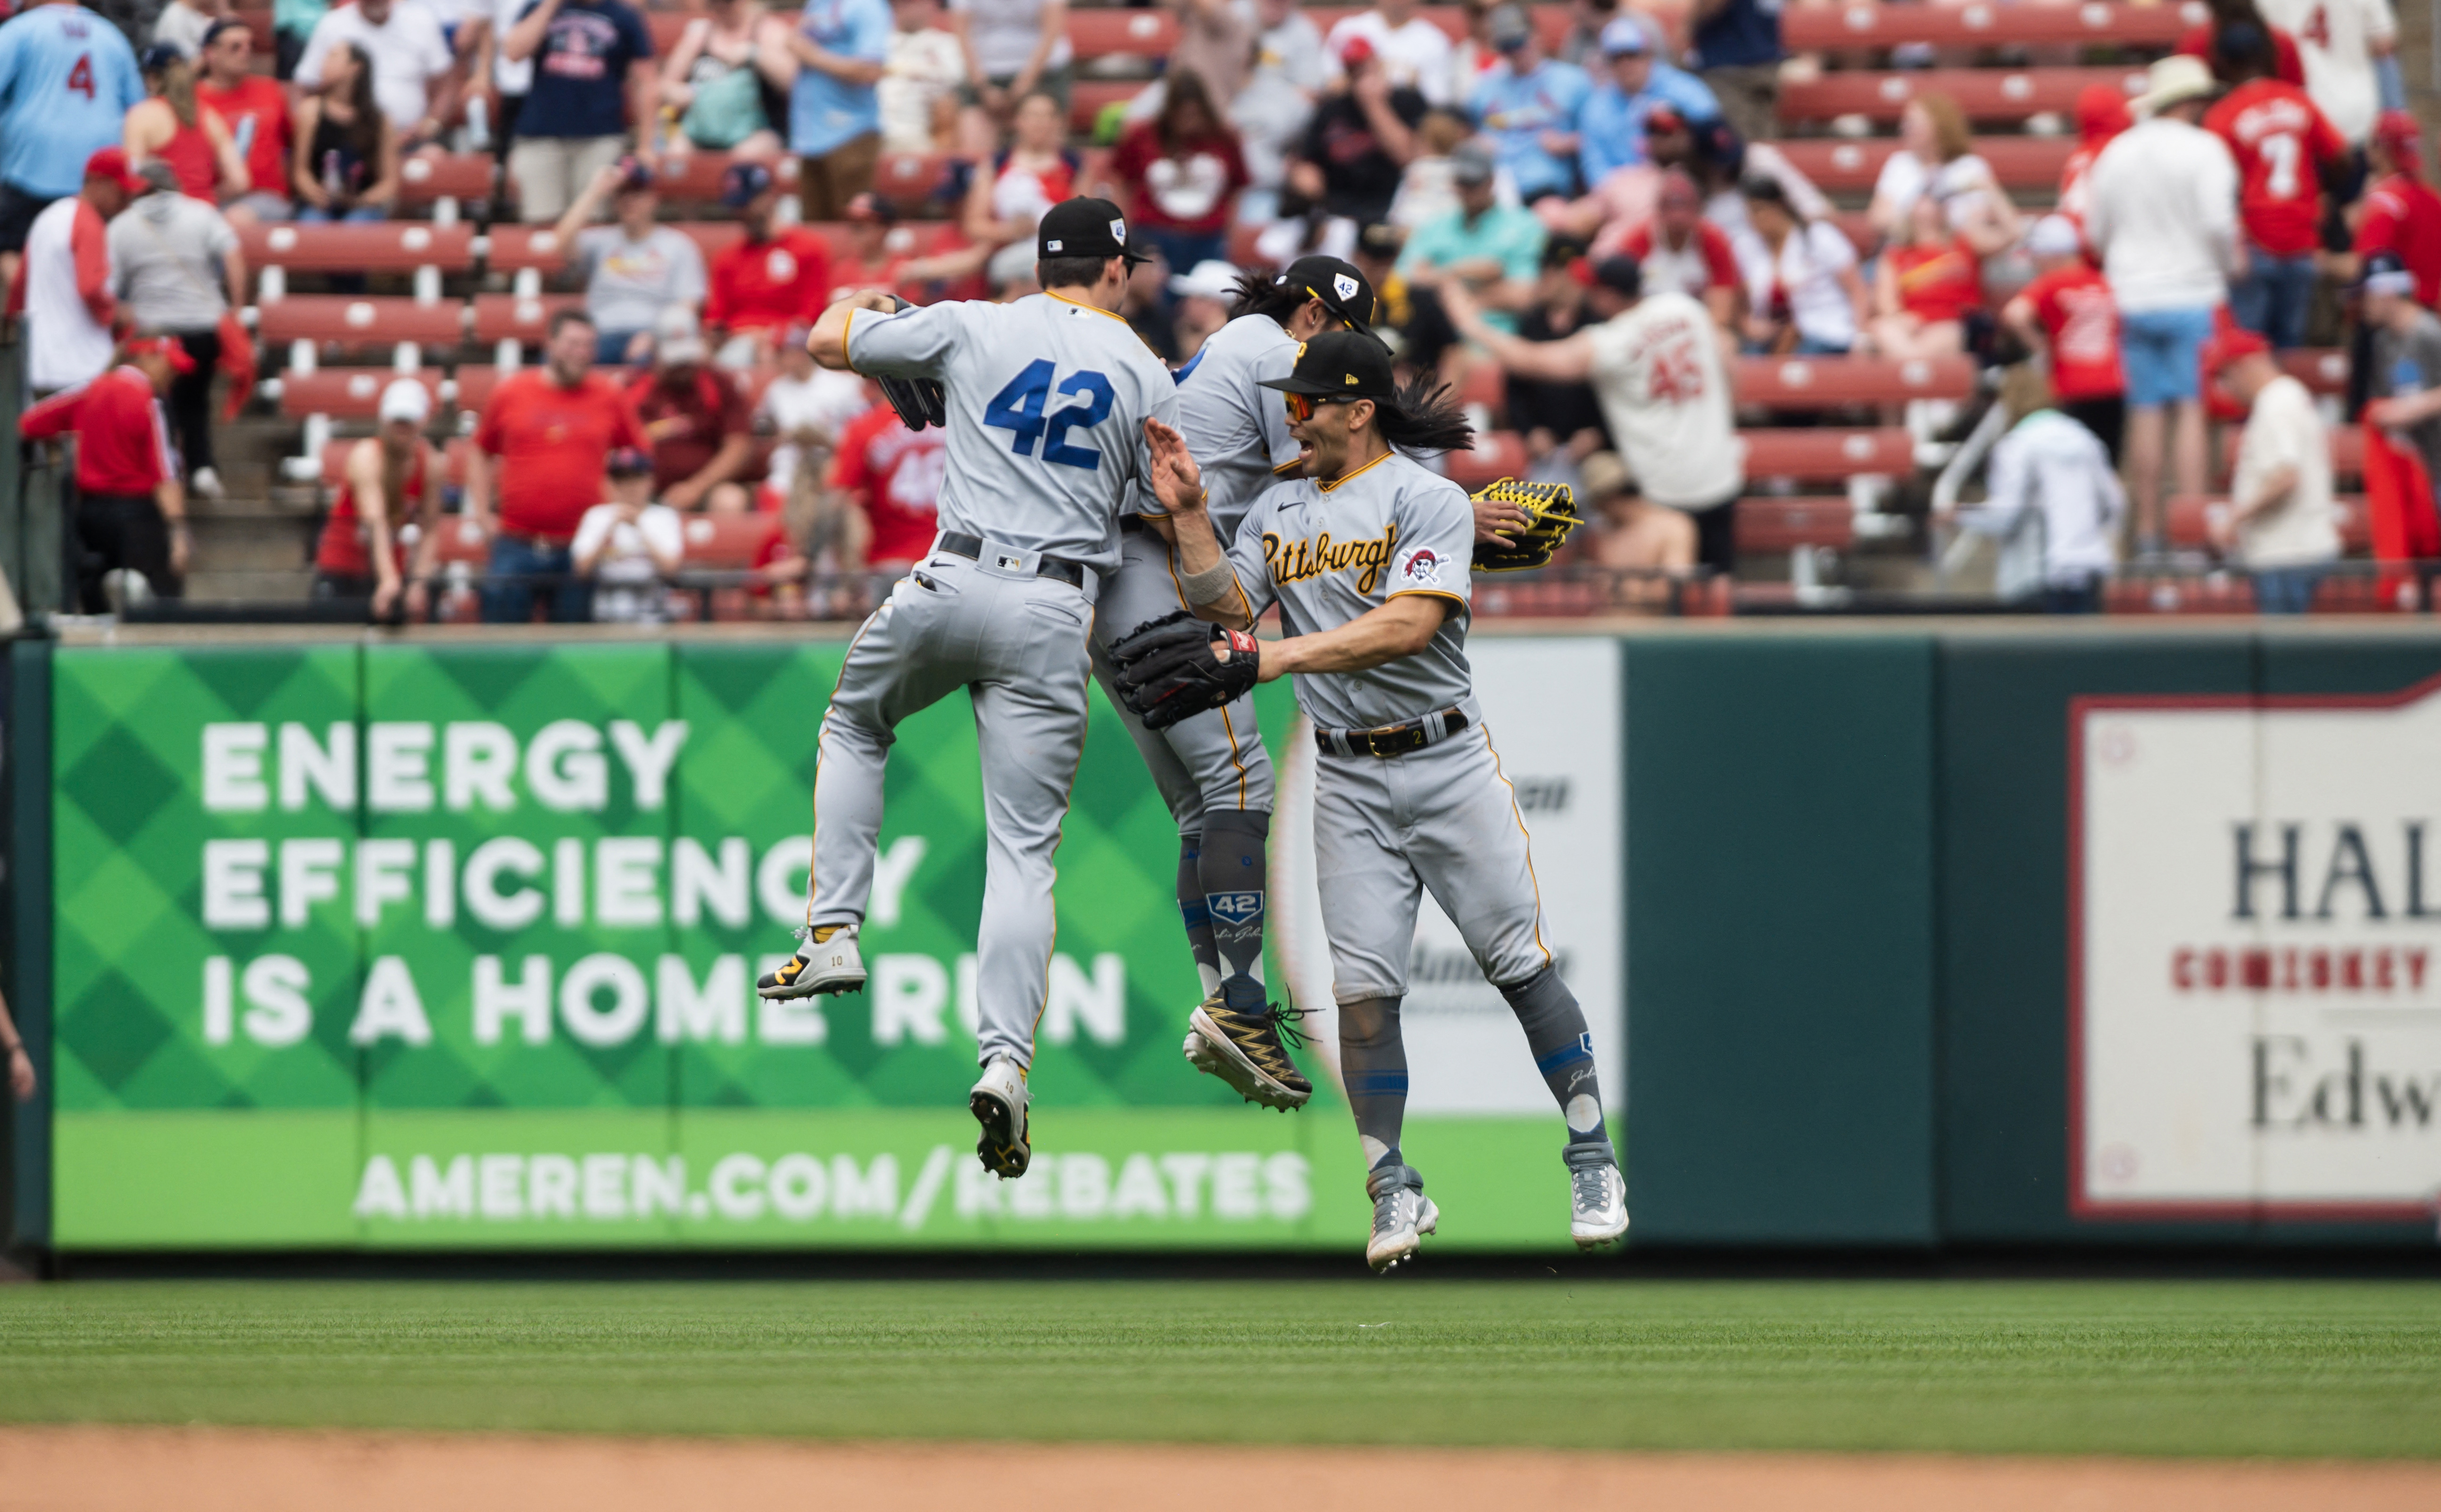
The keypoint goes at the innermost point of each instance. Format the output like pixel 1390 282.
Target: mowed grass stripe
pixel 2235 1368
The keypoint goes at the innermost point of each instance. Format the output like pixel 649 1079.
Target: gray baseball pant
pixel 1016 642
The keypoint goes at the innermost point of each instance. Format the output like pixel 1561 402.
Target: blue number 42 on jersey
pixel 1019 407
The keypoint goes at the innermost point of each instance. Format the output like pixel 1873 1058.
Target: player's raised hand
pixel 1177 481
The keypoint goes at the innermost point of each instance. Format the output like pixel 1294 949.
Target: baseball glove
pixel 1553 511
pixel 1168 670
pixel 919 401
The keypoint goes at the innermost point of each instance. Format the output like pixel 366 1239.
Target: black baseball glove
pixel 919 401
pixel 1553 511
pixel 1168 670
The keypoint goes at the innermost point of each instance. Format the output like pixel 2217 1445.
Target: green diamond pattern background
pixel 130 826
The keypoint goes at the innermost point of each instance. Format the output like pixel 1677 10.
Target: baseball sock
pixel 1373 1060
pixel 1233 875
pixel 1564 1052
pixel 1198 918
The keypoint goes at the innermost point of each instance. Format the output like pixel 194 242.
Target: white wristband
pixel 1212 586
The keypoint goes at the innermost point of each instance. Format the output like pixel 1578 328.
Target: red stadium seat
pixel 346 393
pixel 1090 97
pixel 476 382
pixel 2368 593
pixel 1786 524
pixel 1848 27
pixel 728 542
pixel 2018 162
pixel 1820 383
pixel 2219 593
pixel 426 177
pixel 515 249
pixel 2323 371
pixel 334 464
pixel 713 238
pixel 1501 454
pixel 348 320
pixel 908 180
pixel 1147 34
pixel 385 246
pixel 514 317
pixel 1827 453
pixel 1984 93
pixel 461 541
pixel 2190 517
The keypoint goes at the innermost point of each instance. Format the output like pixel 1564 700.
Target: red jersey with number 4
pixel 897 472
pixel 2281 142
pixel 2402 215
pixel 2082 321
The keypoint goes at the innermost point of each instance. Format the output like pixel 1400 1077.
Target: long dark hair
pixel 1423 416
pixel 1277 298
pixel 1184 87
pixel 364 132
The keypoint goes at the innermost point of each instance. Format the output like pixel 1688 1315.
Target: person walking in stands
pixel 2286 150
pixel 593 71
pixel 63 286
pixel 170 125
pixel 392 481
pixel 777 277
pixel 2164 218
pixel 2282 525
pixel 2053 502
pixel 2066 313
pixel 68 81
pixel 842 49
pixel 536 467
pixel 1737 54
pixel 177 266
pixel 255 110
pixel 131 513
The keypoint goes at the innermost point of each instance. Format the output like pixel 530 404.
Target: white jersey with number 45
pixel 1047 400
pixel 1665 391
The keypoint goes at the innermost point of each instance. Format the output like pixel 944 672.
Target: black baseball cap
pixel 1339 364
pixel 1084 228
pixel 1342 287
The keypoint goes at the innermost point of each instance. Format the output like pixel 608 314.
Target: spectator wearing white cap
pixel 2163 217
pixel 1414 53
pixel 388 509
pixel 1610 127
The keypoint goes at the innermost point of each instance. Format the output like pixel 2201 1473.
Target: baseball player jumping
pixel 1046 402
pixel 1211 767
pixel 1367 555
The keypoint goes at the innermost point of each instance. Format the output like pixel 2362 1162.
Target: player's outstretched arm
pixel 1203 570
pixel 1570 359
pixel 1400 627
pixel 828 342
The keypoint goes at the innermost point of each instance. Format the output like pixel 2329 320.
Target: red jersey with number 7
pixel 2281 141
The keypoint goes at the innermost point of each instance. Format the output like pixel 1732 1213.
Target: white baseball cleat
pixel 1596 1202
pixel 1402 1216
pixel 825 961
pixel 998 1103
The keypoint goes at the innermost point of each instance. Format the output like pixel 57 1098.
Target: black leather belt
pixel 958 543
pixel 1392 740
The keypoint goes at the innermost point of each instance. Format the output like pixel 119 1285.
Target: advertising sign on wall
pixel 2256 982
pixel 418 945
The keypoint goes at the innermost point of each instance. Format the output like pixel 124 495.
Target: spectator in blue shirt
pixel 1612 123
pixel 1737 54
pixel 593 70
pixel 842 49
pixel 67 80
pixel 1527 104
pixel 1497 251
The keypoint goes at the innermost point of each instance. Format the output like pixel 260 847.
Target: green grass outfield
pixel 2217 1368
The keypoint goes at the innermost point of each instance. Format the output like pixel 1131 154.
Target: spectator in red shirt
pixel 2068 313
pixel 255 110
pixel 2287 63
pixel 870 262
pixel 777 277
pixel 1679 249
pixel 698 422
pixel 2284 146
pixel 1178 173
pixel 893 474
pixel 2100 115
pixel 392 481
pixel 130 515
pixel 1924 290
pixel 551 430
pixel 2402 215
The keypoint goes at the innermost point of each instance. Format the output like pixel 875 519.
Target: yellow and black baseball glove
pixel 1552 509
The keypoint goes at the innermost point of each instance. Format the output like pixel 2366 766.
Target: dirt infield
pixel 143 1469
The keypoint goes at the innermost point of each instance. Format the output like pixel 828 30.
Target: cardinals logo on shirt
pixel 780 267
pixel 1422 569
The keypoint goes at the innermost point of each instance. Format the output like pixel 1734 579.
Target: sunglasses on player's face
pixel 1301 407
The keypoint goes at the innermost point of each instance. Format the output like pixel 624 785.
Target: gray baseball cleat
pixel 1596 1197
pixel 826 961
pixel 998 1103
pixel 1402 1215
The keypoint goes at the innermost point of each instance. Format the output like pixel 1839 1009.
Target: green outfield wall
pixel 1920 934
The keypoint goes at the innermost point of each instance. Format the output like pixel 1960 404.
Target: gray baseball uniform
pixel 1443 816
pixel 1047 401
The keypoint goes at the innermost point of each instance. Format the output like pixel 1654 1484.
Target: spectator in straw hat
pixel 2164 218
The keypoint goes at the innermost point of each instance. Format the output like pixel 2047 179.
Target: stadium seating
pixel 334 465
pixel 382 246
pixel 1863 26
pixel 1827 453
pixel 1812 383
pixel 350 320
pixel 522 319
pixel 426 177
pixel 2028 163
pixel 1768 524
pixel 348 393
pixel 1985 94
pixel 727 542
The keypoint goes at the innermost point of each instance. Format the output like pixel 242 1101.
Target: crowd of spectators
pixel 1521 198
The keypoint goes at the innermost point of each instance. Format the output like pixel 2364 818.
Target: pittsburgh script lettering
pixel 1295 561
